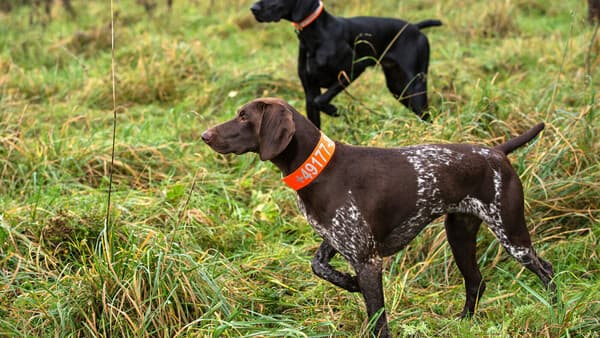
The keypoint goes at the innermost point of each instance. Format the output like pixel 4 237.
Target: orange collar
pixel 309 19
pixel 313 166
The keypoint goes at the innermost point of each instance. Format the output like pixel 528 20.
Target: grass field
pixel 201 244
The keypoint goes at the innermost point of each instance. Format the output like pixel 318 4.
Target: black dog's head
pixel 264 126
pixel 275 10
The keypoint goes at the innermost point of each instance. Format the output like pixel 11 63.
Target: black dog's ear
pixel 276 130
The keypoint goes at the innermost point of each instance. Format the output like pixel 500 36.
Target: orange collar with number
pixel 313 166
pixel 309 19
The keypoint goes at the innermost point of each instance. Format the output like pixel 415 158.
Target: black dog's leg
pixel 461 231
pixel 312 111
pixel 311 89
pixel 320 266
pixel 337 56
pixel 323 101
pixel 371 286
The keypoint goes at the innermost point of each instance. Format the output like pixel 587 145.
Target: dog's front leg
pixel 338 56
pixel 371 286
pixel 323 101
pixel 313 112
pixel 320 266
pixel 343 81
pixel 311 89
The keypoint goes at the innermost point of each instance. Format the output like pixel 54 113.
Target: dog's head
pixel 275 10
pixel 264 126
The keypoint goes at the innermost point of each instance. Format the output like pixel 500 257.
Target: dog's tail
pixel 428 23
pixel 514 143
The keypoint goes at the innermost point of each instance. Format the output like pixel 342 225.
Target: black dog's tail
pixel 514 143
pixel 428 23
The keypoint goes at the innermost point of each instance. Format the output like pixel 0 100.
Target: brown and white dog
pixel 367 203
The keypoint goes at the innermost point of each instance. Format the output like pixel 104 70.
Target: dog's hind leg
pixel 526 255
pixel 511 230
pixel 461 231
pixel 518 244
pixel 321 267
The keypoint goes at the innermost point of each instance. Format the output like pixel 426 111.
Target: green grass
pixel 209 245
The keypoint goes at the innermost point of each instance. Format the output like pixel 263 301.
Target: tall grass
pixel 211 245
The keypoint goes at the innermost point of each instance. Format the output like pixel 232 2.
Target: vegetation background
pixel 201 244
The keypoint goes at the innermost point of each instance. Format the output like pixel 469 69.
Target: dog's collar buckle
pixel 313 166
pixel 299 26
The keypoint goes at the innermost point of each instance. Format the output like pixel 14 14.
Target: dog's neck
pixel 313 166
pixel 317 27
pixel 306 19
pixel 303 142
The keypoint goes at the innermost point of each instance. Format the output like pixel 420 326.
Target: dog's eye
pixel 242 116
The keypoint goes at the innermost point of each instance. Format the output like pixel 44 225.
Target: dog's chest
pixel 326 58
pixel 318 62
pixel 347 230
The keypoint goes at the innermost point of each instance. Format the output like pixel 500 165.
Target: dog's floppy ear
pixel 276 130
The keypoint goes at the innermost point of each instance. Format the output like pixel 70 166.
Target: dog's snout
pixel 207 136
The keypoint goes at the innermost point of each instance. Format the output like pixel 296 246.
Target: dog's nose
pixel 255 8
pixel 207 136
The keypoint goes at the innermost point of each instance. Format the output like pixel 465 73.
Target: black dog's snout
pixel 207 136
pixel 255 8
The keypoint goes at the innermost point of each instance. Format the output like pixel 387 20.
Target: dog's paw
pixel 326 107
pixel 465 314
pixel 330 110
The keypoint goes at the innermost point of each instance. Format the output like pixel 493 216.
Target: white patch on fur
pixel 306 215
pixel 520 253
pixel 347 232
pixel 490 213
pixel 426 160
pixel 487 153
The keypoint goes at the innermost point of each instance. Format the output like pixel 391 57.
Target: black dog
pixel 368 203
pixel 335 51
